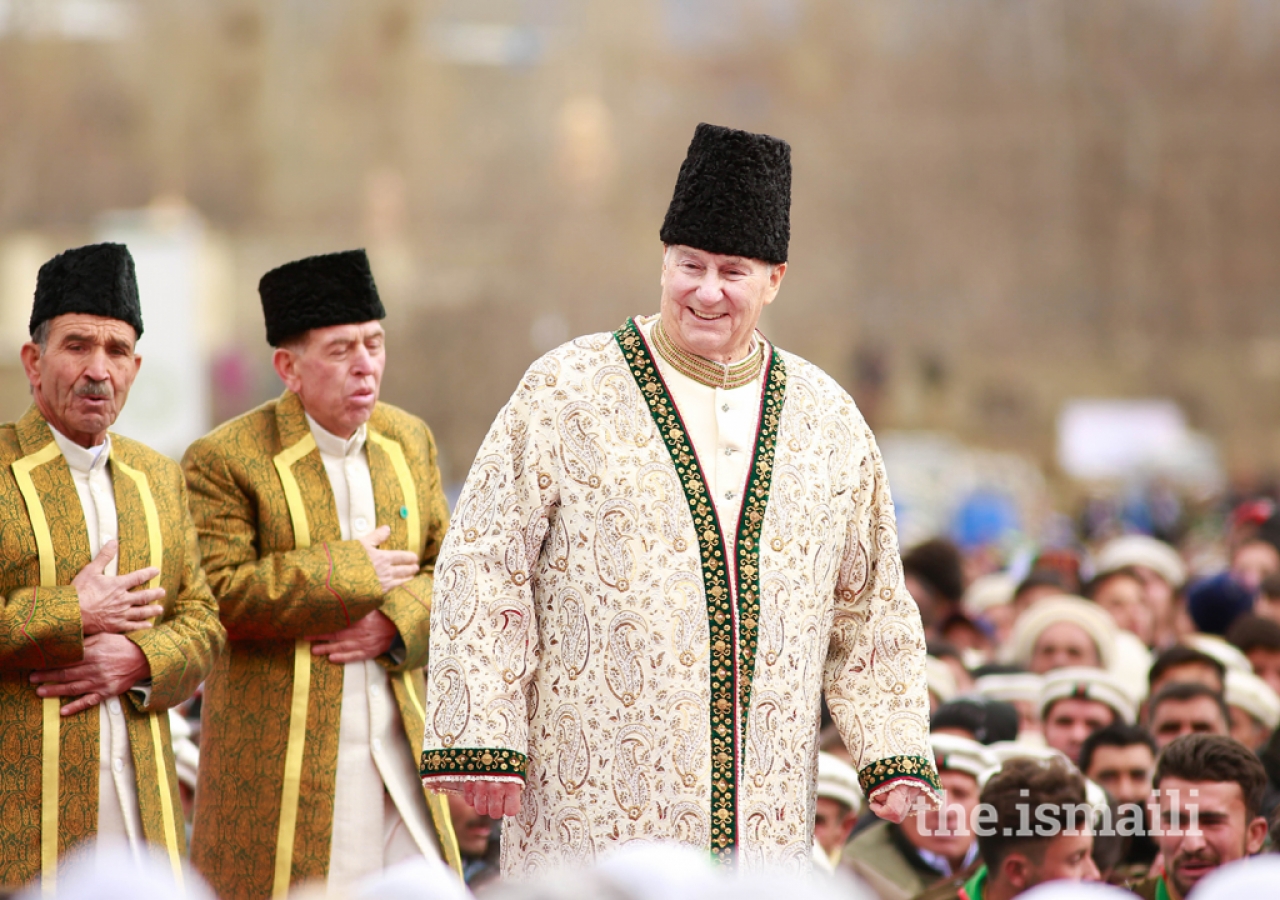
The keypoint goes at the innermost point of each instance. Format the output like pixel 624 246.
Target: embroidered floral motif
pixel 733 653
pixel 473 761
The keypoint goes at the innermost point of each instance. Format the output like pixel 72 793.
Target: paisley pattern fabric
pixel 40 627
pixel 272 593
pixel 592 640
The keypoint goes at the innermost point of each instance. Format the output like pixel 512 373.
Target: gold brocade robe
pixel 593 638
pixel 274 555
pixel 44 543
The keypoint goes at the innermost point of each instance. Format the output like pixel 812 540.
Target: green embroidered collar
pixel 733 606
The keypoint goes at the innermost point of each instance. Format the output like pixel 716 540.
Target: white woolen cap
pixel 838 781
pixel 961 755
pixel 1250 693
pixel 1014 686
pixel 987 591
pixel 1095 621
pixel 1227 654
pixel 1141 550
pixel 1087 684
pixel 940 679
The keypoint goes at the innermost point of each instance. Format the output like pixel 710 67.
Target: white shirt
pixel 722 425
pixel 118 815
pixel 369 822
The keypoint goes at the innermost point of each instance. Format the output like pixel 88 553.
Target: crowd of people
pixel 1107 674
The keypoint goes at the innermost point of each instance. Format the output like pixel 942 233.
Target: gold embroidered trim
pixel 297 739
pixel 473 761
pixel 155 546
pixel 733 619
pixel 413 520
pixel 726 376
pixel 51 707
pixel 898 768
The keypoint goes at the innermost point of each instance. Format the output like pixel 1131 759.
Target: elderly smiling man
pixel 320 515
pixel 105 606
pixel 674 539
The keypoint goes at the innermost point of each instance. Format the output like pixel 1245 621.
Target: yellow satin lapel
pixel 155 542
pixel 284 461
pixel 289 794
pixel 413 518
pixel 155 548
pixel 51 706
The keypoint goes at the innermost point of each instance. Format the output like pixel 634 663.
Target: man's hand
pixel 898 801
pixel 108 603
pixel 369 638
pixel 111 665
pixel 393 567
pixel 494 799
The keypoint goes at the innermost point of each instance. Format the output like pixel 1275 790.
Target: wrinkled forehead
pixel 99 329
pixel 681 251
pixel 350 332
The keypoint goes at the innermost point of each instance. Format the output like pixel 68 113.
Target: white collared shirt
pixel 378 791
pixel 92 476
pixel 347 464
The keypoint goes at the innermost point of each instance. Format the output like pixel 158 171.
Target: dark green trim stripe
pixel 473 761
pixel 733 654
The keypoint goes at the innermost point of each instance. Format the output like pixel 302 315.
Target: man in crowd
pixel 1254 708
pixel 1209 790
pixel 477 842
pixel 320 515
pixel 673 540
pixel 1258 638
pixel 1161 571
pixel 1122 759
pixel 1186 708
pixel 1181 663
pixel 976 718
pixel 1036 827
pixel 1062 632
pixel 1021 690
pixel 899 861
pixel 1074 703
pixel 836 807
pixel 1267 603
pixel 1121 593
pixel 108 621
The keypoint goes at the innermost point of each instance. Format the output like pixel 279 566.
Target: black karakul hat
pixel 733 195
pixel 319 291
pixel 98 280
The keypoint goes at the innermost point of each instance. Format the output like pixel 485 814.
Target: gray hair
pixel 40 335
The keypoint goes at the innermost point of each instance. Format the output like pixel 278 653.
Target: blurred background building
pixel 1037 240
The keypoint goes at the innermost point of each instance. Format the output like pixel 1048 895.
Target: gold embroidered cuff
pixel 461 762
pixel 898 768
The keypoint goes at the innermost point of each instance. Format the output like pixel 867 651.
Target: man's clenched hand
pixel 493 798
pixel 369 638
pixel 111 665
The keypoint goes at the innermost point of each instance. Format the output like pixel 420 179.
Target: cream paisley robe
pixel 589 638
